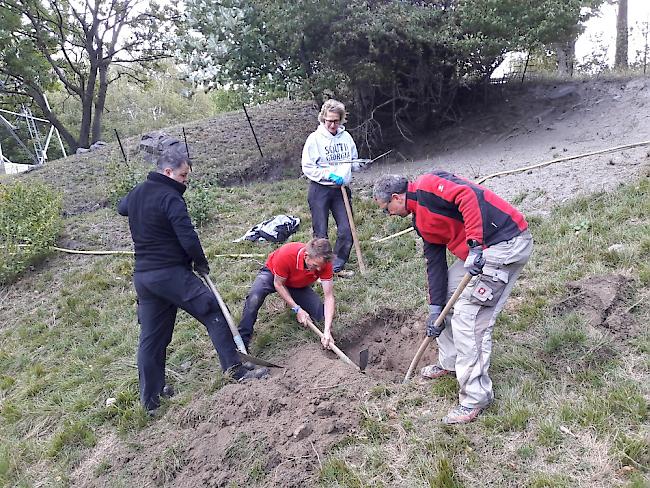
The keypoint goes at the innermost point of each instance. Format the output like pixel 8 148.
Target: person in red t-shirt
pixel 291 270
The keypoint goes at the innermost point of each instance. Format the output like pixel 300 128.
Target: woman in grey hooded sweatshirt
pixel 327 161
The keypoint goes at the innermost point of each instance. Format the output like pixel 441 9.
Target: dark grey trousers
pixel 160 294
pixel 262 287
pixel 323 200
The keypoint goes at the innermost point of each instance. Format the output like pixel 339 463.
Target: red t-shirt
pixel 289 262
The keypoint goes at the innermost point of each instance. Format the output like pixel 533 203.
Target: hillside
pixel 570 364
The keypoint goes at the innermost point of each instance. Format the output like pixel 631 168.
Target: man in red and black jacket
pixel 491 240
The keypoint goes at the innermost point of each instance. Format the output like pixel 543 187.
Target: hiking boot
pixel 344 273
pixel 243 374
pixel 167 391
pixel 462 415
pixel 433 371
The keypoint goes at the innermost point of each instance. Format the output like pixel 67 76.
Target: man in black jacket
pixel 166 246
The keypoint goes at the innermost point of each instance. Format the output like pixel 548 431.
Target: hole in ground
pixel 392 340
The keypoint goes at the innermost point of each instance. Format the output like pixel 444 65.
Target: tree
pixel 400 64
pixel 620 58
pixel 79 46
pixel 565 49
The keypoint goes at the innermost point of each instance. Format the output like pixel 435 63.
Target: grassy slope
pixel 571 401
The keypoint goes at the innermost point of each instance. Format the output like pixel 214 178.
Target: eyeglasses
pixel 336 121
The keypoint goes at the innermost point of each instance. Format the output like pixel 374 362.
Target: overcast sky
pixel 602 30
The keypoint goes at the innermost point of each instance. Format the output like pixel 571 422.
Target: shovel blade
pixel 363 359
pixel 258 361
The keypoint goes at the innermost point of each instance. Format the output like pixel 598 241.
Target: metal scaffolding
pixel 40 145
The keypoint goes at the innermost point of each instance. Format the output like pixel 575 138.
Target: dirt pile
pixel 603 301
pixel 271 432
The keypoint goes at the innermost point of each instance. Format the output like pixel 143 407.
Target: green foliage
pixel 400 63
pixel 200 203
pixel 30 222
pixel 73 434
pixel 122 178
pixel 134 108
pixel 46 44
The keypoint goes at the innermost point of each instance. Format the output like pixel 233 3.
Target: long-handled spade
pixel 363 355
pixel 353 228
pixel 241 349
pixel 438 322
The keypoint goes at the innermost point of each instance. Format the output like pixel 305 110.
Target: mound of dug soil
pixel 270 432
pixel 603 302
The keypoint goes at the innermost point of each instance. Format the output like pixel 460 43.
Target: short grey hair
pixel 386 185
pixel 320 247
pixel 174 153
pixel 335 106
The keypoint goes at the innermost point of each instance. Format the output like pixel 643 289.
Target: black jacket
pixel 162 232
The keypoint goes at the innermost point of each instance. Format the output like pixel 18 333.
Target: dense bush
pixel 122 178
pixel 30 221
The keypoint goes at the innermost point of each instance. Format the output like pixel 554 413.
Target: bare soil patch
pixel 271 432
pixel 522 125
pixel 604 302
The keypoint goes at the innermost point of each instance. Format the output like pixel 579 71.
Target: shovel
pixel 438 322
pixel 241 349
pixel 363 355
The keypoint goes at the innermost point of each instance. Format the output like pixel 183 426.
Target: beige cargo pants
pixel 466 346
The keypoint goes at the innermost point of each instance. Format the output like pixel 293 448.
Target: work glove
pixel 434 313
pixel 475 260
pixel 334 178
pixel 202 269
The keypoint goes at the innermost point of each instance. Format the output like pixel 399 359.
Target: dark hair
pixel 173 155
pixel 320 248
pixel 386 185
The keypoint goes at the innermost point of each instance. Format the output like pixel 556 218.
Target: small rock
pixel 301 432
pixel 324 410
pixel 616 248
pixel 405 331
pixel 186 366
pixel 111 401
pixel 330 427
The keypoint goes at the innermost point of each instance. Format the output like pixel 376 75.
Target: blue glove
pixel 475 260
pixel 434 313
pixel 336 179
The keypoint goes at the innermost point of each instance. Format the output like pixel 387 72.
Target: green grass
pixel 69 344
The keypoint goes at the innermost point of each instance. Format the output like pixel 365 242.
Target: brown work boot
pixel 433 372
pixel 344 273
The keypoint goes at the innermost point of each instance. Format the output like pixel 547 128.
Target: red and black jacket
pixel 448 211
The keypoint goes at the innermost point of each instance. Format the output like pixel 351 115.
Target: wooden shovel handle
pixel 333 347
pixel 438 322
pixel 355 239
pixel 226 313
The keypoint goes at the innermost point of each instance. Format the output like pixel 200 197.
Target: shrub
pixel 122 178
pixel 30 222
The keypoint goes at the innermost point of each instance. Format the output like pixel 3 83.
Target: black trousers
pixel 160 294
pixel 262 287
pixel 323 200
